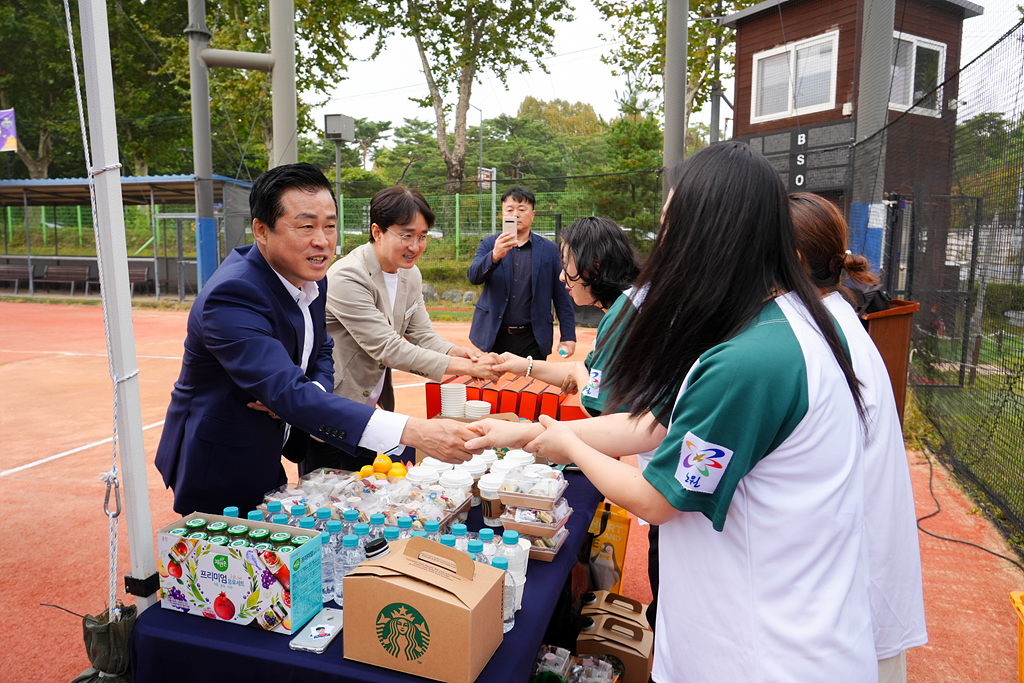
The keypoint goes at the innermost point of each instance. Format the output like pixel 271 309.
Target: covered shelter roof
pixel 165 189
pixel 970 9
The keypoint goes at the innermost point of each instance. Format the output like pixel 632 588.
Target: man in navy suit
pixel 520 278
pixel 257 369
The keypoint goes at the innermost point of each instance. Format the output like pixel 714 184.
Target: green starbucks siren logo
pixel 220 562
pixel 403 631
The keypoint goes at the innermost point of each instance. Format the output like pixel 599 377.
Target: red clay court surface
pixel 55 396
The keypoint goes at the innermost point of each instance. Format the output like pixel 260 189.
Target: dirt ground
pixel 56 406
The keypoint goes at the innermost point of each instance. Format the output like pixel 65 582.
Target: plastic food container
pixel 531 522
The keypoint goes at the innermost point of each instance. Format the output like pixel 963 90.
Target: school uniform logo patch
pixel 701 464
pixel 593 388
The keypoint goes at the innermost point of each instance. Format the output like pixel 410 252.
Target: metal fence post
pixel 341 223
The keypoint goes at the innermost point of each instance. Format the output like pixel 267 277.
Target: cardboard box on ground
pixel 424 609
pixel 625 643
pixel 606 602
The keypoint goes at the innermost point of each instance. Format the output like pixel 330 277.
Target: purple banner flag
pixel 8 136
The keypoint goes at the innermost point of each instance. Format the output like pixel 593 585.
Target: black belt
pixel 518 329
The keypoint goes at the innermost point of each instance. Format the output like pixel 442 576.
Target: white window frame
pixel 931 44
pixel 833 37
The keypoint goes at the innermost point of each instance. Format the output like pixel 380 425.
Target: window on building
pixel 798 78
pixel 918 67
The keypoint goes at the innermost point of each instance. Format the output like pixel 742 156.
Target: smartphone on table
pixel 319 632
pixel 509 225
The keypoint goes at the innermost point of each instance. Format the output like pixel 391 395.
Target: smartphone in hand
pixel 509 225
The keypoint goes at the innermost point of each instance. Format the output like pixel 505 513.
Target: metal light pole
pixel 675 86
pixel 339 128
pixel 716 86
pixel 479 170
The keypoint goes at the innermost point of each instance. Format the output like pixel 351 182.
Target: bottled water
pixel 461 540
pixel 476 551
pixel 307 523
pixel 255 516
pixel 280 518
pixel 508 611
pixel 418 532
pixel 448 540
pixel 348 559
pixel 376 525
pixel 297 513
pixel 322 517
pixel 273 508
pixel 404 527
pixel 391 533
pixel 490 546
pixel 433 529
pixel 517 558
pixel 327 565
pixel 350 518
pixel 362 532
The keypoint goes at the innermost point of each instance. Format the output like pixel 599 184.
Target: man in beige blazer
pixel 378 320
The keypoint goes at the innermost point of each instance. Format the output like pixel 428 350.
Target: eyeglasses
pixel 408 238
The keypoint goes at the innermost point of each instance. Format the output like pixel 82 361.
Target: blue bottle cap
pixel 391 533
pixel 487 535
pixel 459 529
pixel 352 515
pixel 350 541
pixel 476 545
pixel 362 529
pixel 274 506
pixel 510 538
pixel 431 526
pixel 419 533
pixel 307 523
pixel 500 563
pixel 255 516
pixel 280 518
pixel 298 510
pixel 323 513
pixel 231 511
pixel 334 525
pixel 377 519
pixel 325 538
pixel 404 522
pixel 448 540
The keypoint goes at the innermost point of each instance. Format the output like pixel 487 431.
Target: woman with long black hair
pixel 756 482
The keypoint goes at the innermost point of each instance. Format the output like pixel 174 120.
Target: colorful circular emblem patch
pixel 403 632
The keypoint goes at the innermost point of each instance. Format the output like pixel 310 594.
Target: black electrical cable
pixel 938 509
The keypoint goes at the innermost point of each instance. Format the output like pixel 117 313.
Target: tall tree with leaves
pixel 369 135
pixel 640 25
pixel 456 40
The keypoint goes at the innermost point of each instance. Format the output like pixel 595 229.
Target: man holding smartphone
pixel 519 271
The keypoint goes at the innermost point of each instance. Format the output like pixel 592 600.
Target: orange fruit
pixel 397 471
pixel 382 463
pixel 366 472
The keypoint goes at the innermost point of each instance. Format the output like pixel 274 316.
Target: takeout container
pixel 606 602
pixel 424 609
pixel 625 640
pixel 546 554
pixel 525 500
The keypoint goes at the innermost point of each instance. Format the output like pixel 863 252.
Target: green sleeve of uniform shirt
pixel 606 346
pixel 743 399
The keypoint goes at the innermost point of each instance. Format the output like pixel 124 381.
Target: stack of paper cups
pixel 453 400
pixel 476 410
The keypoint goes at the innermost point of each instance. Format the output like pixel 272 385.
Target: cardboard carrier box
pixel 424 609
pixel 626 644
pixel 606 602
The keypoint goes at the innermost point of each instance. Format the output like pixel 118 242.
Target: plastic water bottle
pixel 448 540
pixel 420 533
pixel 391 534
pixel 255 516
pixel 348 559
pixel 487 538
pixel 476 551
pixel 508 610
pixel 327 565
pixel 362 533
pixel 280 518
pixel 461 540
pixel 517 559
pixel 433 529
pixel 350 518
pixel 404 527
pixel 307 523
pixel 231 511
pixel 273 508
pixel 297 513
pixel 377 525
pixel 322 516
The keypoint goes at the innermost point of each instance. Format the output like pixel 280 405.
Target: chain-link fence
pixel 954 244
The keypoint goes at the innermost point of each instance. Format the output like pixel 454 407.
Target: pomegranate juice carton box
pixel 240 571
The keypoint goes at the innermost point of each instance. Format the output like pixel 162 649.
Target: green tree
pixel 369 136
pixel 456 39
pixel 321 153
pixel 575 119
pixel 414 160
pixel 640 25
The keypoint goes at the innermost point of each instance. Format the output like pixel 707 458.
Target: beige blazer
pixel 370 335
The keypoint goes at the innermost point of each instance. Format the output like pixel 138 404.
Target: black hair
pixel 605 260
pixel 265 196
pixel 520 194
pixel 397 205
pixel 726 248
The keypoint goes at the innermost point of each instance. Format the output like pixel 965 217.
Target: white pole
pixel 284 104
pixel 494 200
pixel 113 262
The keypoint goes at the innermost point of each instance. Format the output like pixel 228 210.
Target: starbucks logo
pixel 403 632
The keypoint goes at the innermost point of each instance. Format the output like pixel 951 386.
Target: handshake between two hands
pixel 456 442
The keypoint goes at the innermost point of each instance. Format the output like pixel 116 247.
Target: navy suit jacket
pixel 244 344
pixel 546 288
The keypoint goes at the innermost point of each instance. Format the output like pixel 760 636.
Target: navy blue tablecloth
pixel 175 647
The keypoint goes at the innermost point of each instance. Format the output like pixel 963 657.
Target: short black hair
pixel 397 205
pixel 520 194
pixel 605 260
pixel 265 195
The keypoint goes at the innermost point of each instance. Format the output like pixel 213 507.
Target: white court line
pixel 92 355
pixel 71 452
